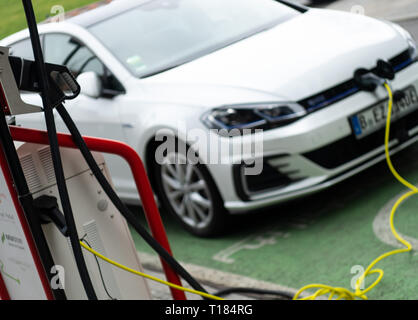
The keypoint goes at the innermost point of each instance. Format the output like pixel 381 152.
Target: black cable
pixel 55 153
pixel 128 215
pixel 100 269
pixel 229 291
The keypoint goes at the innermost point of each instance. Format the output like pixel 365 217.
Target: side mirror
pixel 91 84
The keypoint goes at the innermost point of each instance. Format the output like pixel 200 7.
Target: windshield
pixel 163 34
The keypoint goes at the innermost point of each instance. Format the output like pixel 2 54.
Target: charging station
pixel 101 224
pixel 98 222
pixel 54 198
pixel 104 228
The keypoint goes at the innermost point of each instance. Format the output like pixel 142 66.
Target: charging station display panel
pixel 17 266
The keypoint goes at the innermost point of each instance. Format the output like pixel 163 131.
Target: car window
pixel 65 50
pixel 164 34
pixel 22 49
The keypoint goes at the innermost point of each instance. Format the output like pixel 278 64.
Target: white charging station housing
pixel 96 219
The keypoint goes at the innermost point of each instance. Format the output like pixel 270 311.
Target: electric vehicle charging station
pixel 36 253
pixel 95 212
pixel 23 280
pixel 99 222
pixel 30 280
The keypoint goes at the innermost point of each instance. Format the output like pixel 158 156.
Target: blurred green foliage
pixel 13 17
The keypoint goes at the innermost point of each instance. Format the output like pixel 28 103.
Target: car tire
pixel 188 192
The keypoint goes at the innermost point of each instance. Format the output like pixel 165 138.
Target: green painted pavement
pixel 317 239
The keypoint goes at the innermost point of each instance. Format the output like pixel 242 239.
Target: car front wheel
pixel 188 192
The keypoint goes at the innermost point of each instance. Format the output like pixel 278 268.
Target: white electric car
pixel 182 65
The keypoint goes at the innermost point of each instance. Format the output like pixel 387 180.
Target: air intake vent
pixel 47 164
pixel 96 243
pixel 29 170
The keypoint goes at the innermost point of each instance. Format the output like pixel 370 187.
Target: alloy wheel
pixel 187 191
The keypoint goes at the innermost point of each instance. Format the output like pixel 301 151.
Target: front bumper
pixel 317 152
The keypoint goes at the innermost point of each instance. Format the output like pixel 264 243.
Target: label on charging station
pixel 17 266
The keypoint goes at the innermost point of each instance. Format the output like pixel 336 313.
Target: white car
pixel 232 64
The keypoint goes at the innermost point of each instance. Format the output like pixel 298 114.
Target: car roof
pixel 99 11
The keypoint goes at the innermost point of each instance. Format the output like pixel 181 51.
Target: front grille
pixel 348 88
pixel 350 148
pixel 401 61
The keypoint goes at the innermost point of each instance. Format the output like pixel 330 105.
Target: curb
pixel 216 278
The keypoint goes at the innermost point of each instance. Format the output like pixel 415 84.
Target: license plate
pixel 374 118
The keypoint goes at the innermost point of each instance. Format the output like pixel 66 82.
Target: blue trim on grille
pixel 403 65
pixel 334 99
pixel 353 90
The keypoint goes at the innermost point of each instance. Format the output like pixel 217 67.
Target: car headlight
pixel 253 116
pixel 409 39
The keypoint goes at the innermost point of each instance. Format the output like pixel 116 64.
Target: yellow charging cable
pixel 138 273
pixel 342 293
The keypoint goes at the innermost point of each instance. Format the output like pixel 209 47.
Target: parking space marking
pixel 381 226
pixel 250 243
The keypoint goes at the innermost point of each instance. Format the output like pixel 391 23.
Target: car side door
pixel 97 115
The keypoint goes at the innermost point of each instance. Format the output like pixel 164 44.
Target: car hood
pixel 303 56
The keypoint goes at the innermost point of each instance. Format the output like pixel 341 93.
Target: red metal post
pixel 4 294
pixel 141 179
